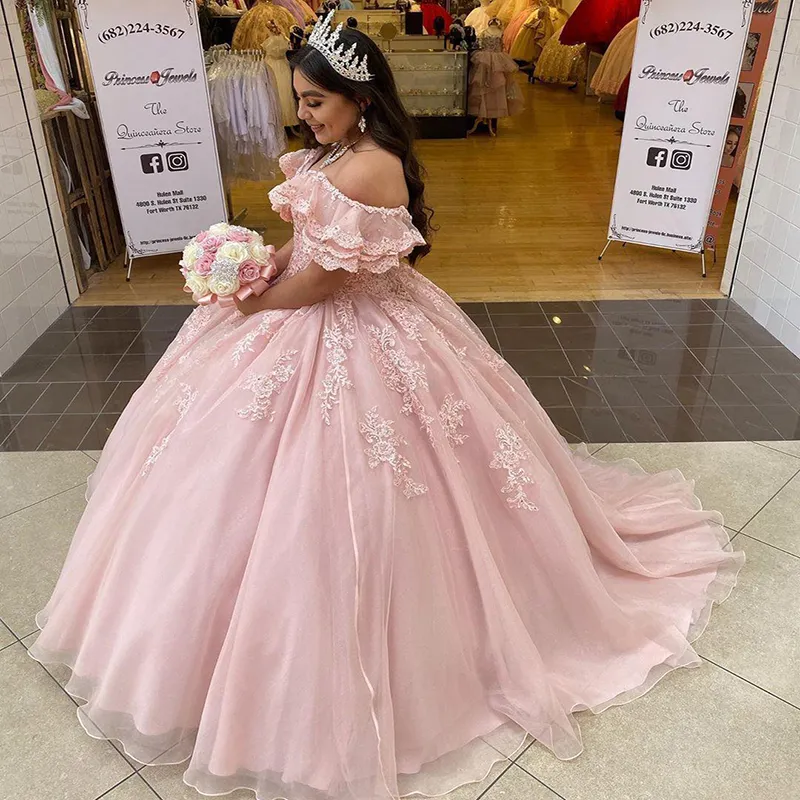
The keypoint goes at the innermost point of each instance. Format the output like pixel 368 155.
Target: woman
pixel 334 548
pixel 731 145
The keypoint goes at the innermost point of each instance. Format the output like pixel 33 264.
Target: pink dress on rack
pixel 338 552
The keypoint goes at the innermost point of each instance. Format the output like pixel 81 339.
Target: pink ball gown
pixel 337 553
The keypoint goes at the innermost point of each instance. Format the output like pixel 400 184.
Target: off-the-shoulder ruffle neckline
pixel 306 168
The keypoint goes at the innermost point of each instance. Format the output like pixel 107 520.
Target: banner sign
pixel 683 82
pixel 744 109
pixel 149 78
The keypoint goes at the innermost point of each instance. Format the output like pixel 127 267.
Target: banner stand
pixel 684 81
pixel 702 253
pixel 148 66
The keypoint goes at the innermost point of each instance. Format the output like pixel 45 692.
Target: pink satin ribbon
pixel 257 287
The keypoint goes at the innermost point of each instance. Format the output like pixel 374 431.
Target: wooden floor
pixel 521 217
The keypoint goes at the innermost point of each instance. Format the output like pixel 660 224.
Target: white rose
pixel 191 254
pixel 224 285
pixel 233 251
pixel 220 229
pixel 261 254
pixel 197 284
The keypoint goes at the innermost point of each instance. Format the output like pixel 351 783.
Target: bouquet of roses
pixel 227 261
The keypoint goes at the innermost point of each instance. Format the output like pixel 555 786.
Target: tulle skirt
pixel 338 553
pixel 493 90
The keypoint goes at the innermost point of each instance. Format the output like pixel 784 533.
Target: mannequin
pixel 560 63
pixel 493 91
pixel 275 48
pixel 598 21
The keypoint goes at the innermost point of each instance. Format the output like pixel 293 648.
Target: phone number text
pixel 133 28
pixel 687 26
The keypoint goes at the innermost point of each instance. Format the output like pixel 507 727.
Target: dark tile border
pixel 606 371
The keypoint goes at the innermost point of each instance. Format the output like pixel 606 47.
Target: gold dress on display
pixel 515 26
pixel 537 30
pixel 258 24
pixel 617 61
pixel 560 63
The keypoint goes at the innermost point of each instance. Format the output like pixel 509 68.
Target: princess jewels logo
pixel 690 77
pixel 163 77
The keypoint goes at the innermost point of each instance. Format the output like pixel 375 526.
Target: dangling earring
pixel 362 124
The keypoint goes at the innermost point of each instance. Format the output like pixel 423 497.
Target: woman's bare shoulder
pixel 375 178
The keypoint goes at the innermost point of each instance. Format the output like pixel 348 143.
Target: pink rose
pixel 249 271
pixel 204 264
pixel 238 236
pixel 201 237
pixel 213 243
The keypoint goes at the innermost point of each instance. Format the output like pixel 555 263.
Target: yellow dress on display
pixel 515 26
pixel 258 24
pixel 617 61
pixel 560 63
pixel 537 30
pixel 275 49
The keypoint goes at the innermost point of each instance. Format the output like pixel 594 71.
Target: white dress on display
pixel 479 17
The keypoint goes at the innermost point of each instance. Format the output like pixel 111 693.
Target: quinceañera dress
pixel 339 553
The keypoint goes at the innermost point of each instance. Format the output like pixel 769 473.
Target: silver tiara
pixel 346 62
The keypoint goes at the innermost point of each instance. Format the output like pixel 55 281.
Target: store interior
pixel 519 107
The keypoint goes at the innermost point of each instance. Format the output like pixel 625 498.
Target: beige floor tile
pixel 736 478
pixel 700 734
pixel 778 523
pixel 516 784
pixel 33 545
pixel 756 632
pixel 46 753
pixel 792 448
pixel 6 637
pixel 134 788
pixel 168 783
pixel 27 478
pixel 93 454
pixel 60 672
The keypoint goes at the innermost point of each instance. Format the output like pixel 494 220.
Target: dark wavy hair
pixel 388 123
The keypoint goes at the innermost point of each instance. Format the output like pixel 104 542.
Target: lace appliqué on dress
pixel 264 328
pixel 510 455
pixel 451 417
pixel 385 449
pixel 400 373
pixel 338 340
pixel 408 317
pixel 183 404
pixel 265 387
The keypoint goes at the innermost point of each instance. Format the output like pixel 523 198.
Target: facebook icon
pixel 152 162
pixel 657 157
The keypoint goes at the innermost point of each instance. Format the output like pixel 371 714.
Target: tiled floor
pixel 627 371
pixel 727 729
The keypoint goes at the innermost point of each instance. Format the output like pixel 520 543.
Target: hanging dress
pixel 479 17
pixel 535 32
pixel 257 25
pixel 598 21
pixel 560 63
pixel 616 63
pixel 275 49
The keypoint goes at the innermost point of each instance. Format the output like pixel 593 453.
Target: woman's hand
pixel 252 305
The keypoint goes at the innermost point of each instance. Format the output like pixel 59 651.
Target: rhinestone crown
pixel 346 62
